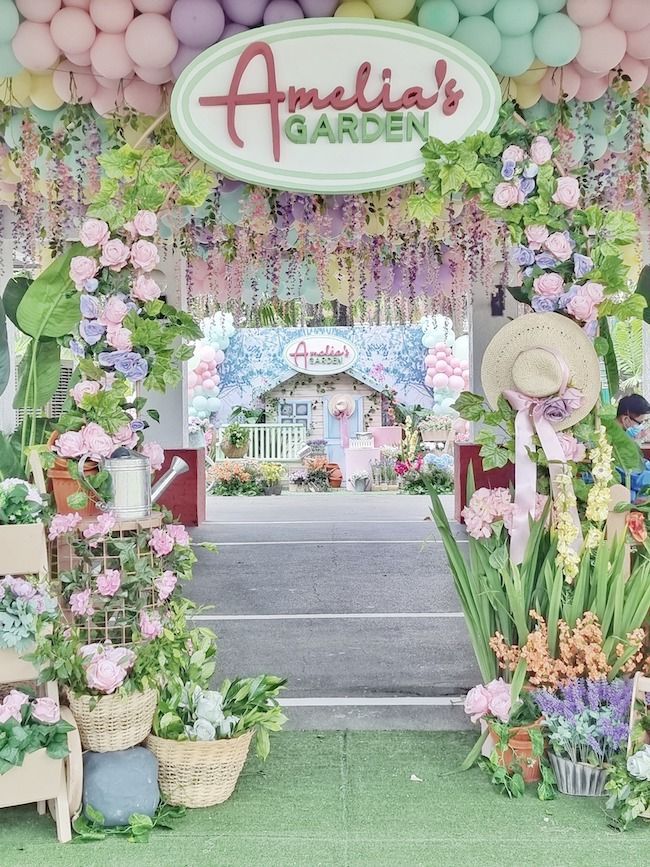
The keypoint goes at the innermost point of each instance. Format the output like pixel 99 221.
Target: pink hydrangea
pixel 179 534
pixel 155 453
pixel 150 627
pixel 161 542
pixel 165 584
pixel 485 508
pixel 115 254
pixel 108 582
pixel 94 233
pixel 144 255
pixel 80 603
pixel 61 524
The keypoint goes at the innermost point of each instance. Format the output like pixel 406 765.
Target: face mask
pixel 635 431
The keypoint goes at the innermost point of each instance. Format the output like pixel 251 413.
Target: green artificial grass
pixel 346 799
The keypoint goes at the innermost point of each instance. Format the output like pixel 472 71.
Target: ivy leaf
pixel 470 406
pixel 452 178
pixel 193 189
pixel 120 162
pixel 154 414
pixel 479 176
pixel 467 159
pixel 424 208
pixel 493 455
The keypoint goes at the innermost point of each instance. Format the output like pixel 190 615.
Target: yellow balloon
pixel 132 134
pixel 15 91
pixel 354 9
pixel 528 95
pixel 340 280
pixel 393 10
pixel 43 94
pixel 532 75
pixel 631 256
pixel 508 89
pixel 9 174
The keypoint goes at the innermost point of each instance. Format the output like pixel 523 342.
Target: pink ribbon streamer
pixel 343 418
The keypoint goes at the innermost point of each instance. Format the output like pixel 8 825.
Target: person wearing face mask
pixel 632 415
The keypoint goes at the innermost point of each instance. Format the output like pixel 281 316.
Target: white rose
pixel 227 725
pixel 209 706
pixel 638 765
pixel 202 730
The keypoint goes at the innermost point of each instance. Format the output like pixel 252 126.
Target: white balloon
pixel 461 348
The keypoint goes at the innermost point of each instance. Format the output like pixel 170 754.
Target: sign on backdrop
pixel 331 106
pixel 320 355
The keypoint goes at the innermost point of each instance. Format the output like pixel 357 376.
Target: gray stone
pixel 120 784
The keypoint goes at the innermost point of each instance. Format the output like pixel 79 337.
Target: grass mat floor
pixel 346 799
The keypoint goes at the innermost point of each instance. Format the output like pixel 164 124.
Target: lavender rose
pixel 89 307
pixel 91 331
pixel 545 260
pixel 131 364
pixel 582 265
pixel 508 170
pixel 527 186
pixel 557 409
pixel 541 304
pixel 523 256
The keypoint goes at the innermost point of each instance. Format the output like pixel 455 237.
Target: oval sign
pixel 320 354
pixel 331 105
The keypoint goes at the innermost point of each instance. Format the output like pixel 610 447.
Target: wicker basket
pixel 115 722
pixel 199 773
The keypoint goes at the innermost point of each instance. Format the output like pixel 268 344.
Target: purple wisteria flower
pixel 527 186
pixel 582 265
pixel 522 255
pixel 545 260
pixel 91 331
pixel 541 304
pixel 89 307
pixel 508 170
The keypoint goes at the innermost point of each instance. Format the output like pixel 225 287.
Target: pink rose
pixel 82 268
pixel 15 700
pixel 540 150
pixel 145 223
pixel 108 582
pixel 155 453
pixel 80 603
pixel 114 312
pixel 165 585
pixel 97 442
pixel 179 534
pixel 150 627
pixel 500 707
pixel 536 235
pixel 573 450
pixel 144 255
pixel 7 713
pixel 94 233
pixel 161 542
pixel 595 291
pixel 121 656
pixel 567 192
pixel 119 338
pixel 62 524
pixel 582 308
pixel 105 676
pixel 505 195
pixel 559 245
pixel 125 437
pixel 549 285
pixel 115 254
pixel 145 289
pixel 70 444
pixel 513 153
pixel 46 710
pixel 81 389
pixel 477 702
pixel 101 527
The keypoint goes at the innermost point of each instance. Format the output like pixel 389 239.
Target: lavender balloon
pixel 184 56
pixel 232 29
pixel 282 10
pixel 319 8
pixel 248 12
pixel 198 23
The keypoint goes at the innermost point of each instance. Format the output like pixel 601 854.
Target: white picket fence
pixel 272 442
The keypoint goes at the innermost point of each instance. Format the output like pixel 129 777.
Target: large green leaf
pixel 11 463
pixel 50 306
pixel 611 364
pixel 13 295
pixel 39 373
pixel 643 288
pixel 5 361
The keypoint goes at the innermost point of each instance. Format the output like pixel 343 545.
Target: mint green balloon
pixel 539 111
pixel 515 17
pixel 548 6
pixel 439 15
pixel 577 149
pixel 556 40
pixel 474 7
pixel 8 64
pixel 9 20
pixel 481 35
pixel 516 55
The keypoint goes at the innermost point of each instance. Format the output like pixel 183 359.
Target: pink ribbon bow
pixel 533 417
pixel 342 416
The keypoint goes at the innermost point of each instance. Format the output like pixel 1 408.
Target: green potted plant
pixel 234 440
pixel 272 475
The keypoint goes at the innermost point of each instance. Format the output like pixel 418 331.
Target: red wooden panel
pixel 466 455
pixel 185 497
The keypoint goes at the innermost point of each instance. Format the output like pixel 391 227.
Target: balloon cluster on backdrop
pixel 126 52
pixel 209 355
pixel 446 362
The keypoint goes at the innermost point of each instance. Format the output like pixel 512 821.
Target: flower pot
pixel 360 485
pixel 63 486
pixel 231 451
pixel 113 722
pixel 23 549
pixel 519 752
pixel 39 778
pixel 199 773
pixel 273 490
pixel 334 475
pixel 432 436
pixel 577 778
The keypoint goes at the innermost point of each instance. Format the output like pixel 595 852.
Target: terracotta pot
pixel 334 475
pixel 231 451
pixel 520 752
pixel 63 485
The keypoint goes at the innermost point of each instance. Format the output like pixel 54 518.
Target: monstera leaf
pixel 50 305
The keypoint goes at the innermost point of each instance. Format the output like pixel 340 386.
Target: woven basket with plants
pixel 113 722
pixel 201 737
pixel 234 440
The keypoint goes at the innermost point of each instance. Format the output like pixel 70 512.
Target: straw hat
pixel 526 355
pixel 342 406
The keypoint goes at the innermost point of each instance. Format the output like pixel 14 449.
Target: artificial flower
pixel 145 223
pixel 536 236
pixel 165 585
pixel 82 268
pixel 104 675
pixel 559 245
pixel 115 255
pixel 83 388
pixel 155 453
pixel 161 542
pixel 94 233
pixel 477 703
pixel 636 526
pixel 567 192
pixel 62 524
pixel 150 627
pixel 144 255
pixel 108 582
pixel 145 289
pixel 549 285
pixel 80 603
pixel 505 195
pixel 541 151
pixel 46 711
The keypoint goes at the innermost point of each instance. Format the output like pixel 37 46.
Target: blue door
pixel 332 431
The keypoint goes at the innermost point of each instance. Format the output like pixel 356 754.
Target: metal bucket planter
pixel 360 485
pixel 273 490
pixel 576 778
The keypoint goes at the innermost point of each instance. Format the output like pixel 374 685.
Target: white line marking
pixel 333 521
pixel 355 616
pixel 389 701
pixel 335 542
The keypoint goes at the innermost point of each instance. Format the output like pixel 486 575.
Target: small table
pixel 358 461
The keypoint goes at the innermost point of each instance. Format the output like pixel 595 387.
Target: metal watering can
pixel 132 493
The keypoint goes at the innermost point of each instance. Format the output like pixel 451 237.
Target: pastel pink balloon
pixel 634 70
pixel 559 83
pixel 441 354
pixel 219 356
pixel 630 14
pixel 80 4
pixel 216 379
pixel 440 366
pixel 456 383
pixel 208 385
pixel 192 379
pixel 143 97
pixel 41 11
pixel 73 30
pixel 458 371
pixel 586 13
pixel 602 47
pixel 464 365
pixel 282 10
pixel 184 56
pixel 81 58
pixel 161 6
pixel 592 88
pixel 109 56
pixel 207 353
pixel 34 47
pixel 74 84
pixel 638 43
pixel 154 76
pixel 113 17
pixel 150 40
pixel 442 347
pixel 108 100
pixel 249 13
pixel 428 380
pixel 440 380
